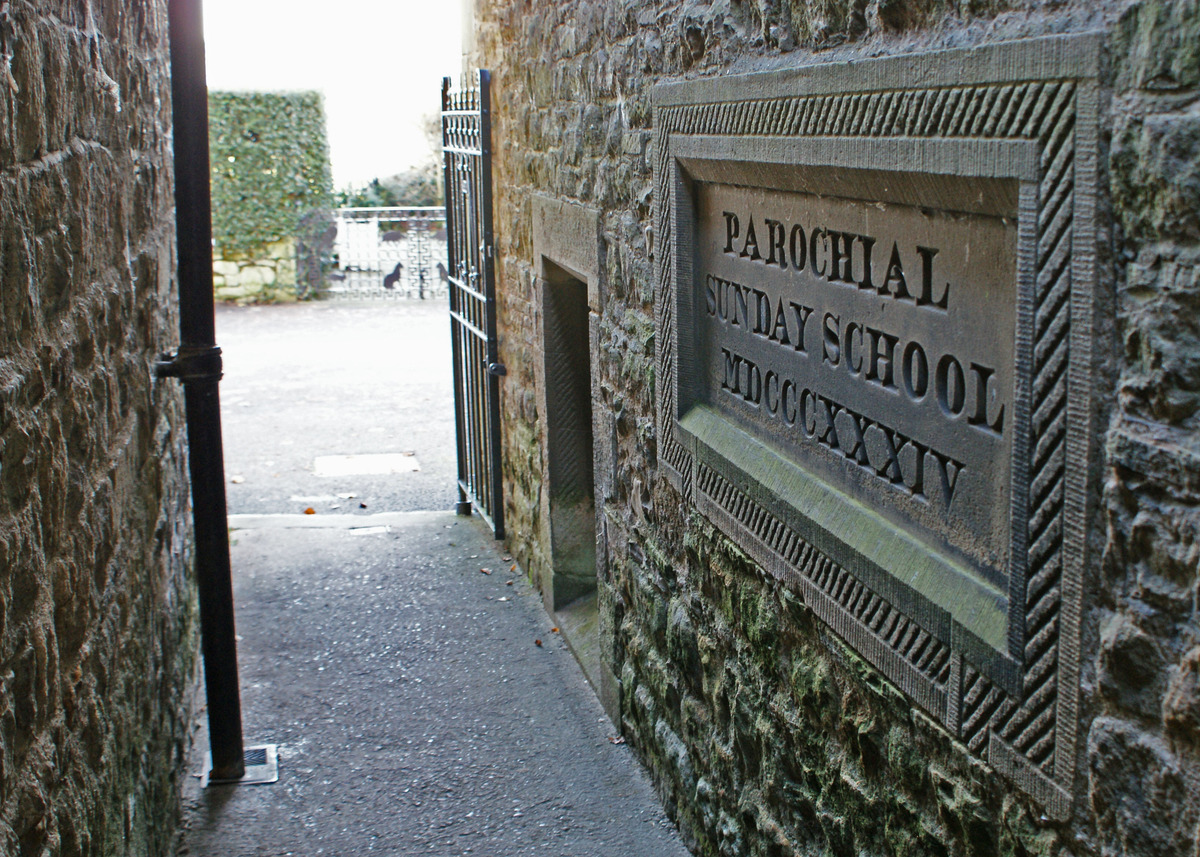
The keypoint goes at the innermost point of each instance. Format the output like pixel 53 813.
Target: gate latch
pixel 497 369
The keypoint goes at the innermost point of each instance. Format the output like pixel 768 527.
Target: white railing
pixel 389 253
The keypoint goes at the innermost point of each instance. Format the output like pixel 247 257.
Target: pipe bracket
pixel 190 363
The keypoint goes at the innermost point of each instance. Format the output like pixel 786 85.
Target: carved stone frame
pixel 1024 111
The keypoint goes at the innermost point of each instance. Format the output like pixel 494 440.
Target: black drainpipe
pixel 197 364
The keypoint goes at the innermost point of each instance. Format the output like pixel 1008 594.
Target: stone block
pixel 233 291
pixel 226 269
pixel 1156 171
pixel 252 276
pixel 284 249
pixel 1132 667
pixel 1138 792
pixel 1181 707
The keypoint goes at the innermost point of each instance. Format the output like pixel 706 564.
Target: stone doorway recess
pixel 567 254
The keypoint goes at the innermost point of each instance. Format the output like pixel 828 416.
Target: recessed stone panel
pixel 871 344
pixel 875 320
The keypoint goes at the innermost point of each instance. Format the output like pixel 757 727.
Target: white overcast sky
pixel 379 62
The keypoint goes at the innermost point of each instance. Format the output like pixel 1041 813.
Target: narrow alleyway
pixel 421 700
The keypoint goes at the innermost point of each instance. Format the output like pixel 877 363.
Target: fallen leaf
pixel 555 630
pixel 508 559
pixel 362 505
pixel 509 583
pixel 513 567
pixel 310 511
pixel 505 598
pixel 237 480
pixel 616 739
pixel 537 643
pixel 485 571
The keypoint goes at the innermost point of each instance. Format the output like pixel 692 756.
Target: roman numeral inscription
pixel 873 446
pixel 871 344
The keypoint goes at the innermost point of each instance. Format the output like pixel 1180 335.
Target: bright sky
pixel 380 64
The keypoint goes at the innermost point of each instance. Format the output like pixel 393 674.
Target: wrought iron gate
pixel 387 253
pixel 467 158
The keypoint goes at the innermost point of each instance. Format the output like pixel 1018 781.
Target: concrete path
pixel 319 380
pixel 414 709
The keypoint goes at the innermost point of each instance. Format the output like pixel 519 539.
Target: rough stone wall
pixel 97 643
pixel 765 733
pixel 270 278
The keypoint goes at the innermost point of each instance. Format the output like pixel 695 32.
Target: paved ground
pixel 414 710
pixel 330 379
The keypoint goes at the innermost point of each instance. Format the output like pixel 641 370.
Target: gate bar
pixel 463 507
pixel 488 261
pixel 197 364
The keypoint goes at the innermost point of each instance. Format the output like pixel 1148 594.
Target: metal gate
pixel 467 158
pixel 386 253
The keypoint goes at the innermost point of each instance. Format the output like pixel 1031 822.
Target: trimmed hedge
pixel 270 167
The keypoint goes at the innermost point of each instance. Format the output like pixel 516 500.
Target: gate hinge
pixel 190 363
pixel 498 369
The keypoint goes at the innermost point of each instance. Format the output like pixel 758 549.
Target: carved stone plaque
pixel 875 316
pixel 872 344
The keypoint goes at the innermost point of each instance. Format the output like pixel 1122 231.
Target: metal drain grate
pixel 262 768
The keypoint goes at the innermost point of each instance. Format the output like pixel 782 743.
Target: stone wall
pixel 271 186
pixel 765 732
pixel 97 642
pixel 269 278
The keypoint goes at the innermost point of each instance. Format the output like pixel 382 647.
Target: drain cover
pixel 262 768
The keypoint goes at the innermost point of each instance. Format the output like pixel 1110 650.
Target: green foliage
pixel 270 167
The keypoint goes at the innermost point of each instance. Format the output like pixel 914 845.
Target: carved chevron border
pixel 1043 92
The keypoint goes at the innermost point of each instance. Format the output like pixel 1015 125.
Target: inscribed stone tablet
pixel 875 316
pixel 872 344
